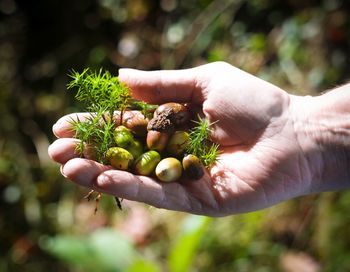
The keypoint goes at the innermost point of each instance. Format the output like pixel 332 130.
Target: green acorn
pixel 119 158
pixel 178 143
pixel 169 169
pixel 135 148
pixel 123 136
pixel 146 163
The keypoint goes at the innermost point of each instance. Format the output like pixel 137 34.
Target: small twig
pixel 119 202
pixel 88 195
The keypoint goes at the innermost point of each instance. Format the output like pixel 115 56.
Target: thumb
pixel 163 85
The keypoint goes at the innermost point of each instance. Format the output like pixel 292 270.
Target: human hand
pixel 261 161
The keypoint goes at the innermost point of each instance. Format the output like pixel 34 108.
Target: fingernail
pixel 62 172
pixel 102 180
pixel 50 151
pixel 55 128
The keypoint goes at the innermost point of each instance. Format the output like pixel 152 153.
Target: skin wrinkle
pixel 187 203
pixel 237 180
pixel 324 120
pixel 201 87
pixel 68 151
pixel 218 197
pixel 198 89
pixel 163 84
pixel 169 194
pixel 268 197
pixel 265 196
pixel 207 205
pixel 209 199
pixel 298 126
pixel 84 178
pixel 102 183
pixel 140 183
pixel 273 126
pixel 243 191
pixel 195 92
pixel 298 159
pixel 303 154
pixel 283 176
pixel 106 180
pixel 210 112
pixel 170 198
pixel 141 187
pixel 190 201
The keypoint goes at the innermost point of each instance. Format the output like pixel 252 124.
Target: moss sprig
pixel 100 90
pixel 200 143
pixel 103 94
pixel 96 133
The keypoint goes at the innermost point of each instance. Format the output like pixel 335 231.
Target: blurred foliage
pixel 45 224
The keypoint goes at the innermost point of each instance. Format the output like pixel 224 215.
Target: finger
pixel 63 127
pixel 172 196
pixel 102 178
pixel 164 86
pixel 83 171
pixel 63 150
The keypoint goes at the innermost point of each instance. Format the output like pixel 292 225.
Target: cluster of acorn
pixel 155 146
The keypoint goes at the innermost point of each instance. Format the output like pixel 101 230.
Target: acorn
pixel 169 169
pixel 119 158
pixel 123 136
pixel 136 122
pixel 146 163
pixel 168 116
pixel 135 148
pixel 157 140
pixel 90 152
pixel 192 166
pixel 179 113
pixel 178 143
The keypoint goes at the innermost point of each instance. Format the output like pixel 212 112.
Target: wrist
pixel 322 128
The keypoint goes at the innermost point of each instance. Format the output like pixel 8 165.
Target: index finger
pixel 63 127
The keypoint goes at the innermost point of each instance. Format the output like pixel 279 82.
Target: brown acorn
pixel 179 113
pixel 136 122
pixel 157 140
pixel 168 116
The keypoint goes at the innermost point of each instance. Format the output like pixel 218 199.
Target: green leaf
pixel 112 249
pixel 103 250
pixel 70 249
pixel 144 266
pixel 184 250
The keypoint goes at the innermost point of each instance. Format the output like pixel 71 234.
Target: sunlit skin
pixel 274 146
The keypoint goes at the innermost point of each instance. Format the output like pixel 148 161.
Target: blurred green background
pixel 46 225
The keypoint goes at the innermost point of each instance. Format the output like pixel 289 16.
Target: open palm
pixel 260 163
